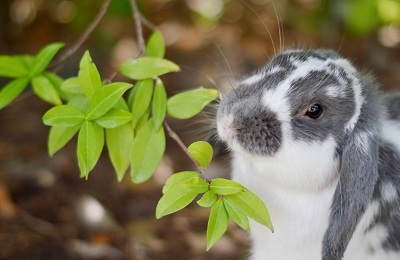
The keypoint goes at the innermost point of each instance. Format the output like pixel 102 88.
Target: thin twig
pixel 84 36
pixel 179 141
pixel 137 17
pixel 139 22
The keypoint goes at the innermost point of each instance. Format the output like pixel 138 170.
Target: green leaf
pixel 237 215
pixel 12 90
pixel 90 145
pixel 79 101
pixel 12 67
pixel 105 98
pixel 147 151
pixel 89 77
pixel 159 104
pixel 147 68
pixel 177 178
pixel 142 121
pixel 196 184
pixel 72 86
pixel 26 60
pixel 59 136
pixel 119 141
pixel 174 200
pixel 189 103
pixel 156 45
pixel 225 187
pixel 44 89
pixel 57 81
pixel 132 94
pixel 252 206
pixel 202 152
pixel 142 100
pixel 114 118
pixel 43 58
pixel 208 199
pixel 217 223
pixel 63 115
pixel 121 104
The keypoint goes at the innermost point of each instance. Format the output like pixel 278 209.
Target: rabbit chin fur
pixel 298 175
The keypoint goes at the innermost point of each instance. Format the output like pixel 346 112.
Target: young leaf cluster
pixel 131 126
pixel 25 69
pixel 226 198
pixel 92 108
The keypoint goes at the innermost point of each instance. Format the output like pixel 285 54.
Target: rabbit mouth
pixel 255 137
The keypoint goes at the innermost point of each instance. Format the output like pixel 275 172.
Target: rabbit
pixel 320 144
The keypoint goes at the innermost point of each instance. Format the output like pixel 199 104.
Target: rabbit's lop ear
pixel 358 168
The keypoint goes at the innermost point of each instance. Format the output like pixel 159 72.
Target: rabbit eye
pixel 314 111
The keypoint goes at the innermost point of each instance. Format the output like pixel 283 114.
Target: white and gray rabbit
pixel 318 143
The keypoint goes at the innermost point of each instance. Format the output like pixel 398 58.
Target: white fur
pixel 389 192
pixel 253 79
pixel 362 244
pixel 298 195
pixel 362 141
pixel 298 182
pixel 358 97
pixel 391 132
pixel 334 91
pixel 274 70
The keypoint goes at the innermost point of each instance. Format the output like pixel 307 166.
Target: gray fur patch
pixel 392 102
pixel 336 112
pixel 258 131
pixel 389 213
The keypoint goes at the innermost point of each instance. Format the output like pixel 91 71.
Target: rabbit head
pixel 313 109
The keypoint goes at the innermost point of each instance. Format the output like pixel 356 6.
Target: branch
pixel 139 22
pixel 84 36
pixel 179 141
pixel 137 17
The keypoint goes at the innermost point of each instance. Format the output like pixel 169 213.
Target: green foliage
pixel 156 45
pixel 147 67
pixel 105 98
pixel 44 89
pixel 43 58
pixel 119 142
pixel 59 136
pixel 147 151
pixel 141 99
pixel 178 178
pixel 202 152
pixel 89 77
pixel 226 198
pixel 208 199
pixel 25 69
pixel 12 90
pixel 189 103
pixel 217 222
pixel 159 104
pixel 63 115
pixel 132 130
pixel 13 67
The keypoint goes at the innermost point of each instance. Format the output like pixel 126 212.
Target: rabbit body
pixel 317 142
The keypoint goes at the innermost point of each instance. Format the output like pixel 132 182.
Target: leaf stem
pixel 179 141
pixel 137 17
pixel 84 36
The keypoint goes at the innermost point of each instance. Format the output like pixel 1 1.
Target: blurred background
pixel 48 212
